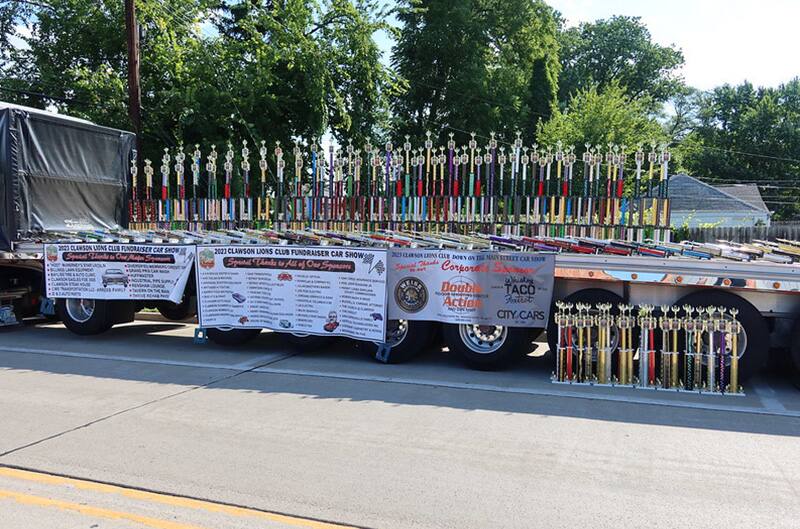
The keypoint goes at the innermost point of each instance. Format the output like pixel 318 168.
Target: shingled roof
pixel 747 192
pixel 690 194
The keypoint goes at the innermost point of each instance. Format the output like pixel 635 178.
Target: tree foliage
pixel 747 134
pixel 619 49
pixel 211 70
pixel 602 117
pixel 482 65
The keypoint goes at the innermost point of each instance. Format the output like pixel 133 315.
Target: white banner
pixel 489 288
pixel 118 271
pixel 304 290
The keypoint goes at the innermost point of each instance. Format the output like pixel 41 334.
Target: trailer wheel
pixel 85 316
pixel 406 339
pixel 187 308
pixel 794 346
pixel 488 347
pixel 754 340
pixel 308 342
pixel 231 336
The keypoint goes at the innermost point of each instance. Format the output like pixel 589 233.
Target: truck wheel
pixel 488 347
pixel 231 336
pixel 187 308
pixel 406 339
pixel 85 316
pixel 754 339
pixel 308 342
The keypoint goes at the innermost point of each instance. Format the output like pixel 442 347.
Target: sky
pixel 723 41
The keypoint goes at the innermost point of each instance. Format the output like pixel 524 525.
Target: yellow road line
pixel 167 499
pixel 95 512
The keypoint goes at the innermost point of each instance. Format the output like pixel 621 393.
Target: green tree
pixel 748 134
pixel 602 117
pixel 482 65
pixel 617 49
pixel 211 70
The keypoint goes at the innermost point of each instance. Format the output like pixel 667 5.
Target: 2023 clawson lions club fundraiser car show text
pixel 396 248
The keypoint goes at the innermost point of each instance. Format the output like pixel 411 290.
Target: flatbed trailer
pixel 766 294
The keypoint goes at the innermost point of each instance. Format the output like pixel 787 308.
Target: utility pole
pixel 134 90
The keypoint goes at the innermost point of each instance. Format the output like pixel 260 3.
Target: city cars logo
pixel 521 315
pixel 52 253
pixel 207 259
pixel 411 294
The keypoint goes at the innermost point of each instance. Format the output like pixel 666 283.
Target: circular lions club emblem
pixel 411 294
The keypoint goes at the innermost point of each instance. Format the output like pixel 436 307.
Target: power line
pixel 742 153
pixel 44 96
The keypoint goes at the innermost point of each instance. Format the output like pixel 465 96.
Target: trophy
pixel 732 329
pixel 164 203
pixel 692 361
pixel 561 318
pixel 625 323
pixel 669 324
pixel 583 325
pixel 605 322
pixel 245 203
pixel 647 357
pixel 180 211
pixel 148 181
pixel 134 205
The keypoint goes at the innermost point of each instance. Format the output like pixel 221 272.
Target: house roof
pixel 747 192
pixel 690 194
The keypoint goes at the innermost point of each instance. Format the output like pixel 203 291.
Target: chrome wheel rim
pixel 396 332
pixel 80 310
pixel 483 339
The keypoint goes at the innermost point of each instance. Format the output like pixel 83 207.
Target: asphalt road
pixel 142 428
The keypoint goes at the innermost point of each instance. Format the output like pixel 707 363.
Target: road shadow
pixel 344 372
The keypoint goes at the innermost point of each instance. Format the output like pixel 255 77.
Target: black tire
pixel 308 342
pixel 85 317
pixel 756 354
pixel 230 337
pixel 516 344
pixel 589 295
pixel 794 345
pixel 187 308
pixel 406 339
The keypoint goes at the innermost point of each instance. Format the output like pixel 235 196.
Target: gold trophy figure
pixel 732 329
pixel 558 376
pixel 605 323
pixel 625 323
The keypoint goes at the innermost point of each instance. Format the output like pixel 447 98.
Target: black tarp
pixel 60 173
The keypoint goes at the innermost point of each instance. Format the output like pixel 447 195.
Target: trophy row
pixel 508 189
pixel 677 348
